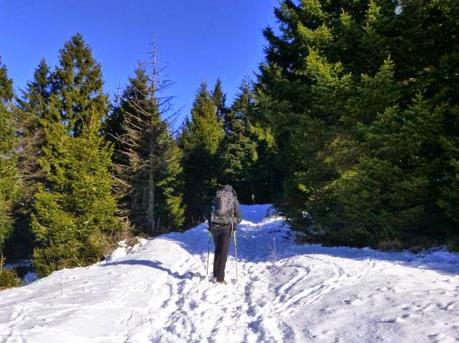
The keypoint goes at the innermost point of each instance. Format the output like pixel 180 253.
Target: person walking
pixel 223 217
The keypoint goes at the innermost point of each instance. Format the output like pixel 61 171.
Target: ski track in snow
pixel 158 292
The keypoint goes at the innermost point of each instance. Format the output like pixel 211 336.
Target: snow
pixel 157 291
pixel 29 277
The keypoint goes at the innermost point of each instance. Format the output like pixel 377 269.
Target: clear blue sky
pixel 196 39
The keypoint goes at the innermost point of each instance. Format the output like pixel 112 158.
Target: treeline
pixel 362 100
pixel 78 173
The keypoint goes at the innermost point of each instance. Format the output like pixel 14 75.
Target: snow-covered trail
pixel 285 292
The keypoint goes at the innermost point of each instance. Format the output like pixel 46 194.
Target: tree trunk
pixel 151 195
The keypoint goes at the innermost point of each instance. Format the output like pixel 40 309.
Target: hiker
pixel 223 217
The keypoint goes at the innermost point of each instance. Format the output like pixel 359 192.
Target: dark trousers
pixel 222 238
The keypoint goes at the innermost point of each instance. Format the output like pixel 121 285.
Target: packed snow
pixel 157 291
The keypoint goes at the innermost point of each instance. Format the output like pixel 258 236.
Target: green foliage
pixel 200 140
pixel 77 84
pixel 31 108
pixel 359 99
pixel 74 223
pixel 74 210
pixel 448 199
pixel 8 171
pixel 264 178
pixel 8 278
pixel 147 157
pixel 238 149
pixel 219 99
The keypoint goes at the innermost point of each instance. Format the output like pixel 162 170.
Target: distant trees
pixel 221 146
pixel 199 141
pixel 238 149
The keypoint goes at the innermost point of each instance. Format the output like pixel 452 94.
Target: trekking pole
pixel 208 251
pixel 235 247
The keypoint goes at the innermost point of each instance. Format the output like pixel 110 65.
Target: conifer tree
pixel 199 141
pixel 219 98
pixel 31 110
pixel 146 154
pixel 74 219
pixel 238 151
pixel 8 171
pixel 77 83
pixel 9 185
pixel 347 90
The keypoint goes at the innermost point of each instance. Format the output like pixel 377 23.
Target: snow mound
pixel 157 291
pixel 124 249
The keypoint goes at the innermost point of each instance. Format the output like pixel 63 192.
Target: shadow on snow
pixel 153 264
pixel 272 240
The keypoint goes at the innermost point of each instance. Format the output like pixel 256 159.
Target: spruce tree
pixel 77 83
pixel 347 89
pixel 238 151
pixel 74 219
pixel 147 156
pixel 8 171
pixel 30 111
pixel 219 98
pixel 199 141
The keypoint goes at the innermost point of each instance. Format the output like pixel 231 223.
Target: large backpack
pixel 223 208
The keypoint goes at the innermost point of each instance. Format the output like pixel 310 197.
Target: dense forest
pixel 350 126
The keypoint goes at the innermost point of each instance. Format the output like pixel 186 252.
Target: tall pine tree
pixel 8 171
pixel 74 219
pixel 30 110
pixel 77 83
pixel 219 98
pixel 147 156
pixel 200 140
pixel 238 151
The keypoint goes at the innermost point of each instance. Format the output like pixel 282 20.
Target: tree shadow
pixel 153 264
pixel 274 241
pixel 261 238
